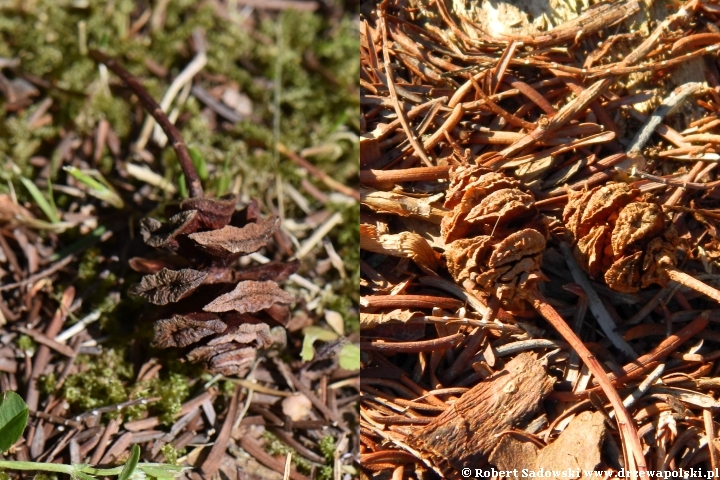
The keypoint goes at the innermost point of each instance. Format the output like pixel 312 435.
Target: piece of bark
pixel 465 433
pixel 575 451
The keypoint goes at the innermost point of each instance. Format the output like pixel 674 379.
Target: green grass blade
pixel 224 180
pixel 50 212
pixel 79 245
pixel 98 187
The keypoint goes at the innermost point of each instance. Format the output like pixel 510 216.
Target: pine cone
pixel 215 312
pixel 622 235
pixel 494 238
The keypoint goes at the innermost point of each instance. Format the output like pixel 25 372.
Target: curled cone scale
pixel 215 311
pixel 621 236
pixel 493 235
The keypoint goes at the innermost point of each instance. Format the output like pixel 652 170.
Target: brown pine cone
pixel 215 312
pixel 494 238
pixel 622 235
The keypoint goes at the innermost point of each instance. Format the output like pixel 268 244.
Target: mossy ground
pixel 260 55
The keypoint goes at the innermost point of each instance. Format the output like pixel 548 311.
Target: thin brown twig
pixel 419 346
pixel 152 107
pixel 625 421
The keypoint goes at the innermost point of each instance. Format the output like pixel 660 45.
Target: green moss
pixel 25 344
pixel 274 446
pixel 171 454
pixel 227 388
pixel 327 448
pixel 173 390
pixel 325 473
pixel 88 267
pixel 102 382
pixel 46 383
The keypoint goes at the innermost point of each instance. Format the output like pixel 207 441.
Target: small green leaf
pixel 13 418
pixel 199 162
pixel 50 212
pixel 131 463
pixel 349 357
pixel 182 186
pixel 311 335
pixel 50 196
pixel 162 471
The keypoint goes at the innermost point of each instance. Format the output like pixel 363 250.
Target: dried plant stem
pixel 152 107
pixel 184 78
pixel 710 434
pixel 668 106
pixel 322 176
pixel 691 282
pixel 636 368
pixel 413 347
pixel 419 174
pixel 628 432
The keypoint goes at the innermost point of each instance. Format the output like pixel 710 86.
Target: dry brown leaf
pixel 154 265
pixel 11 211
pixel 395 203
pixel 168 286
pixel 230 240
pixel 407 244
pixel 249 296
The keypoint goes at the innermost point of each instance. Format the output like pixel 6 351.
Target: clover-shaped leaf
pixel 13 418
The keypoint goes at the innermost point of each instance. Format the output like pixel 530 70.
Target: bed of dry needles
pixel 163 300
pixel 539 243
